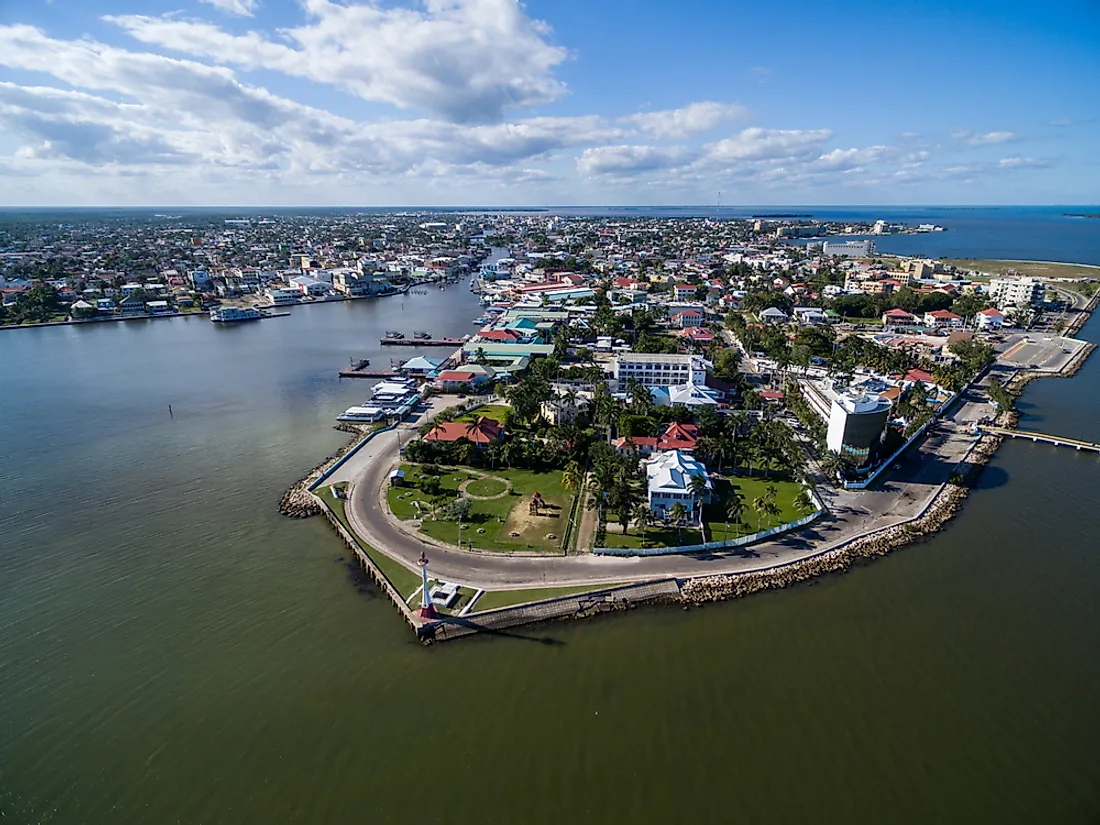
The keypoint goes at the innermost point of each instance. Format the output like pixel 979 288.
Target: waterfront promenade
pixel 904 494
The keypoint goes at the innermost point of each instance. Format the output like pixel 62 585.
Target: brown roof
pixel 482 431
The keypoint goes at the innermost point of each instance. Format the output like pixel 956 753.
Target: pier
pixel 367 372
pixel 1056 440
pixel 422 342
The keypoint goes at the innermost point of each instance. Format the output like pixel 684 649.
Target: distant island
pixel 782 215
pixel 1081 214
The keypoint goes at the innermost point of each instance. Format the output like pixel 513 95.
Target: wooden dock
pixel 1056 440
pixel 367 372
pixel 422 342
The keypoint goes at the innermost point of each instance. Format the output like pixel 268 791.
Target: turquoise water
pixel 172 650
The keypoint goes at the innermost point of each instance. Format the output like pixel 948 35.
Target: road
pixel 904 494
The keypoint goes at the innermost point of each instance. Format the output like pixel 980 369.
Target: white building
pixel 283 296
pixel 659 369
pixel 1017 292
pixel 856 418
pixel 686 395
pixel 853 249
pixel 990 319
pixel 668 483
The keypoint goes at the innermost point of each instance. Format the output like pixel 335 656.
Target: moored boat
pixel 224 315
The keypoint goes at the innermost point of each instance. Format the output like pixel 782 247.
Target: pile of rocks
pixel 718 588
pixel 298 502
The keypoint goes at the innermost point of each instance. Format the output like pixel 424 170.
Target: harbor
pixel 391 341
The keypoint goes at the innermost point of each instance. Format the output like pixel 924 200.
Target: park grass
pixel 495 412
pixel 486 487
pixel 491 600
pixel 656 536
pixel 750 488
pixel 404 581
pixel 493 516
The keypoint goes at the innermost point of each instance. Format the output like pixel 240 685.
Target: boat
pixel 392 334
pixel 225 315
pixel 423 336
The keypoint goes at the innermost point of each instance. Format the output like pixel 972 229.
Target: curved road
pixel 904 495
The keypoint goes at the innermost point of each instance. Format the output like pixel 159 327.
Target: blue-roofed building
pixel 421 365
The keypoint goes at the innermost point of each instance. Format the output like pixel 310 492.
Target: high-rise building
pixel 853 249
pixel 1017 292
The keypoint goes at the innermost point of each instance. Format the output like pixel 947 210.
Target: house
pixel 899 317
pixel 989 319
pixel 941 318
pixel 687 318
pixel 481 432
pixel 773 315
pixel 159 307
pixel 809 315
pixel 699 335
pixel 105 306
pixel 683 292
pixel 669 482
pixel 685 395
pixel 676 437
pixel 460 380
pixel 131 305
pixel 421 365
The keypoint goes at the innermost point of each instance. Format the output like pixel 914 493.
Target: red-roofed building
pixel 700 335
pixel 676 437
pixel 460 380
pixel 687 318
pixel 942 318
pixel 990 319
pixel 481 432
pixel 923 376
pixel 503 336
pixel 682 292
pixel 899 317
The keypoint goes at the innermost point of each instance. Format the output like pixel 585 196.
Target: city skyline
pixel 273 102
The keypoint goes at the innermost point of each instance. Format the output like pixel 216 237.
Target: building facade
pixel 659 369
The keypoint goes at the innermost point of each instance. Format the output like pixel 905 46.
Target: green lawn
pixel 497 517
pixel 750 488
pixel 404 581
pixel 655 536
pixel 486 487
pixel 496 412
pixel 506 598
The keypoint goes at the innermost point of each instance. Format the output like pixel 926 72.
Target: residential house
pixel 699 335
pixel 942 318
pixel 899 318
pixel 669 480
pixel 131 305
pixel 773 315
pixel 990 319
pixel 809 315
pixel 687 318
pixel 460 380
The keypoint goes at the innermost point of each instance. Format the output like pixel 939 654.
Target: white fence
pixel 710 545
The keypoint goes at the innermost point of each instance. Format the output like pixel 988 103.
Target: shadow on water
pixel 992 477
pixel 482 630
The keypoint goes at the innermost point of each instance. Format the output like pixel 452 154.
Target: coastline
pixel 943 505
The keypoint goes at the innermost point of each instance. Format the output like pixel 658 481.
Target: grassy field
pixel 506 598
pixel 486 487
pixel 1036 270
pixel 496 412
pixel 404 581
pixel 656 536
pixel 499 517
pixel 750 488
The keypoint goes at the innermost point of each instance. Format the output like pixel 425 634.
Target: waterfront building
pixel 853 249
pixel 899 318
pixel 481 432
pixel 856 418
pixel 422 365
pixel 941 318
pixel 668 482
pixel 280 297
pixel 659 369
pixel 1017 292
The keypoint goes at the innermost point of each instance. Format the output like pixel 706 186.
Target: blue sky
pixel 450 102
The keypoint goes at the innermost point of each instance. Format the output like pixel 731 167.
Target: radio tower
pixel 427 609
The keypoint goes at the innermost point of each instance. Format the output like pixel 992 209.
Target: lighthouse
pixel 427 609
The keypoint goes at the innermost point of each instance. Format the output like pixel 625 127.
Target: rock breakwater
pixel 298 502
pixel 719 588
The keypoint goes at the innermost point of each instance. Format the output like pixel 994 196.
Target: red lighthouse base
pixel 429 612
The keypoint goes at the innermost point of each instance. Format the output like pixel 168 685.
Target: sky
pixel 549 102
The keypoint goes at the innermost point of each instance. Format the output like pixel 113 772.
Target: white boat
pixel 366 414
pixel 224 315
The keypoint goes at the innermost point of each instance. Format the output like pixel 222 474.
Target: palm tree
pixel 494 452
pixel 804 502
pixel 572 476
pixel 832 463
pixel 760 505
pixel 698 487
pixel 642 518
pixel 735 509
pixel 678 513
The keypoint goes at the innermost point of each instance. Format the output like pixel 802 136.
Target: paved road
pixel 901 496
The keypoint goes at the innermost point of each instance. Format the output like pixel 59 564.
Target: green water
pixel 172 650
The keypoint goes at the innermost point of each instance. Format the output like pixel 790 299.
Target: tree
pixel 735 509
pixel 572 476
pixel 727 363
pixel 804 502
pixel 833 463
pixel 678 514
pixel 458 510
pixel 698 487
pixel 643 517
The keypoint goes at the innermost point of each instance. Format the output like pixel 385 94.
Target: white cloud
pixel 245 8
pixel 619 160
pixel 1061 122
pixel 845 159
pixel 986 139
pixel 1022 163
pixel 693 119
pixel 464 60
pixel 769 144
